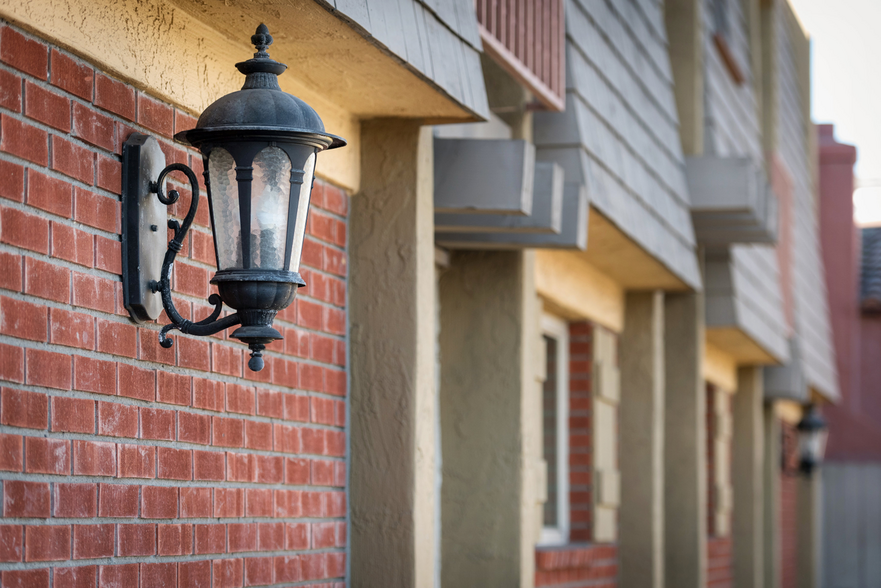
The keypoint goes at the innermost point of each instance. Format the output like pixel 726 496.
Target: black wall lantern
pixel 259 147
pixel 812 435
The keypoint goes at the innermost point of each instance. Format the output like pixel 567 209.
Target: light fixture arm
pixel 211 324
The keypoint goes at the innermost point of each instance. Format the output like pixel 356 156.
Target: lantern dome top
pixel 261 107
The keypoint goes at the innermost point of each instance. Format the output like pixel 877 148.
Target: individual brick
pixel 323 535
pixel 24 140
pixel 193 428
pixel 208 394
pixel 313 566
pixel 136 540
pixel 297 471
pixel 11 456
pixel 47 107
pixel 315 504
pixel 259 571
pixel 92 541
pixel 195 503
pixel 10 271
pixel 192 353
pixel 73 415
pixel 287 438
pixel 210 539
pixel 322 472
pixel 94 375
pixel 94 458
pixel 109 175
pixel 229 502
pixel 47 456
pixel 296 407
pixel 258 502
pixel 159 574
pixel 194 573
pixel 209 465
pixel 136 461
pixel 24 230
pixel 75 501
pixel 226 360
pixel 11 542
pixel 33 578
pixel 314 441
pixel 270 403
pixel 135 382
pixel 155 115
pixel 174 388
pixel 73 160
pixel 21 408
pixel 71 329
pixel 157 424
pixel 24 53
pixel 288 503
pixel 96 210
pixel 118 576
pixel 227 432
pixel 93 127
pixel 117 420
pixel 46 280
pixel 77 577
pixel 240 399
pixel 25 499
pixel 287 568
pixel 10 91
pixel 242 537
pixel 258 435
pixel 174 464
pixel 93 292
pixel 47 543
pixel 71 75
pixel 115 96
pixel 269 469
pixel 228 572
pixel 240 467
pixel 108 255
pixel 175 539
pixel 117 501
pixel 159 502
pixel 270 536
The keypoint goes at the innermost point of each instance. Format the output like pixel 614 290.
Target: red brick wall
pixel 789 508
pixel 580 432
pixel 579 565
pixel 192 468
pixel 720 573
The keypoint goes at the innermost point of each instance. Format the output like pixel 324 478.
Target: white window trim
pixel 558 329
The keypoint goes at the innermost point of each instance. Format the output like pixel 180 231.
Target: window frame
pixel 556 328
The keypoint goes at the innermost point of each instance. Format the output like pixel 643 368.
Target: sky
pixel 846 85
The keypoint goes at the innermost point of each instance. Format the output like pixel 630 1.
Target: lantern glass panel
pixel 270 193
pixel 304 195
pixel 812 445
pixel 225 209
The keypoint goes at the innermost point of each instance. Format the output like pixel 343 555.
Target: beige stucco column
pixel 641 442
pixel 685 453
pixel 391 312
pixel 748 458
pixel 771 517
pixel 809 513
pixel 490 420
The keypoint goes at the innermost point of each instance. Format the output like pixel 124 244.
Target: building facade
pixel 565 302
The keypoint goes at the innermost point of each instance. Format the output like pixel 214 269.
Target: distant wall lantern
pixel 812 435
pixel 259 147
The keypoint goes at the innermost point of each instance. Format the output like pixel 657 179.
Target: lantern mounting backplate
pixel 144 232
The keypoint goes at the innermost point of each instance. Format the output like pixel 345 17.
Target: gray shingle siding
pixel 809 289
pixel 437 38
pixel 619 134
pixel 733 129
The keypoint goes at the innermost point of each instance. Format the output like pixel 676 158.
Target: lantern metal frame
pixel 243 123
pixel 812 423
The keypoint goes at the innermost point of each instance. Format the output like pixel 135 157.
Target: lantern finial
pixel 261 40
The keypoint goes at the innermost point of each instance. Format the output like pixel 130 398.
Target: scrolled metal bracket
pixel 207 326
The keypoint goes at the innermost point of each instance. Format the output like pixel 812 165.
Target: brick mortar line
pixel 96 272
pixel 134 402
pixel 169 368
pixel 48 434
pixel 214 521
pixel 165 483
pixel 129 559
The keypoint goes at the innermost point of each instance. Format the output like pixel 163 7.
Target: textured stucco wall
pixel 489 400
pixel 392 302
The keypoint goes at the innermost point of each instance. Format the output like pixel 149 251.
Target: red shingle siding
pixel 580 432
pixel 116 445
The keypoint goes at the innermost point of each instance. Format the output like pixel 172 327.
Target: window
pixel 555 423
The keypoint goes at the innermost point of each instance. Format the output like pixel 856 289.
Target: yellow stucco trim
pixel 720 368
pixel 740 346
pixel 574 289
pixel 788 411
pixel 184 51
